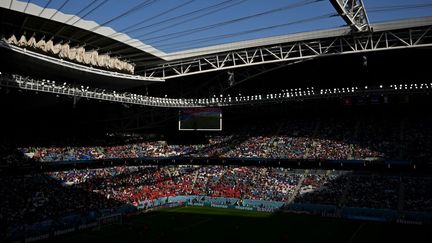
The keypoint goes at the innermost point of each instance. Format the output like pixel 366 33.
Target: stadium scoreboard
pixel 200 119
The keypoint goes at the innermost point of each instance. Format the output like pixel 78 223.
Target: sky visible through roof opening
pixel 176 25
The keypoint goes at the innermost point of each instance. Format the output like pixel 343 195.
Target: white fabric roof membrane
pixel 88 25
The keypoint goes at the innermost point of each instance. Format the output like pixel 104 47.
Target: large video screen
pixel 200 119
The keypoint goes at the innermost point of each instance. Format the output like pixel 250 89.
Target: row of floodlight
pixel 411 86
pixel 216 100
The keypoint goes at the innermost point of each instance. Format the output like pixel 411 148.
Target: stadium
pixel 215 121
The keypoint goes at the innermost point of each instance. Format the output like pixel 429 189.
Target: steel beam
pixel 353 13
pixel 293 51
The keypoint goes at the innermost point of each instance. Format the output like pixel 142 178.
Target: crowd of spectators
pixel 126 151
pixel 373 192
pixel 352 190
pixel 417 139
pixel 383 135
pixel 322 188
pixel 10 157
pixel 49 196
pixel 272 184
pixel 323 140
pixel 139 183
pixel 417 193
pixel 309 140
pixel 39 197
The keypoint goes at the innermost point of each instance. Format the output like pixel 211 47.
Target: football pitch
pixel 205 224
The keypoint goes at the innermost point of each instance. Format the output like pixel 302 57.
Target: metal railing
pixel 287 95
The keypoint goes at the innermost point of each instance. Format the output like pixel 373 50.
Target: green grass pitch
pixel 204 224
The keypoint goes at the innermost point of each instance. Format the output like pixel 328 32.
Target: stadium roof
pixel 32 18
pixel 172 26
pixel 52 18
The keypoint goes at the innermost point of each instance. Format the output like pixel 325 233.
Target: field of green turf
pixel 202 224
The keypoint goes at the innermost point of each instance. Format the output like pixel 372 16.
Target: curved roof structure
pixel 19 17
pixel 26 17
pixel 54 15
